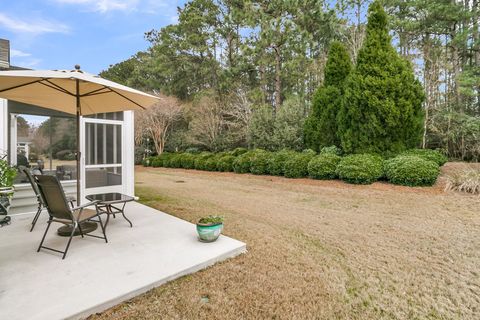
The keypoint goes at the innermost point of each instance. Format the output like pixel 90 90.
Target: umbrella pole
pixel 78 140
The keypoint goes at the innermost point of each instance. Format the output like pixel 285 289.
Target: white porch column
pixel 3 126
pixel 13 139
pixel 128 153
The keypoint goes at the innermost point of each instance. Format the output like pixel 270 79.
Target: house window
pixel 43 142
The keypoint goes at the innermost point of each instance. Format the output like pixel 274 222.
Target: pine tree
pixel 382 105
pixel 320 126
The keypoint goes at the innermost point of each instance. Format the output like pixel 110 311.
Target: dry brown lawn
pixel 319 250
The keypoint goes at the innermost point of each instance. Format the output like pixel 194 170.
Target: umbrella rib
pixel 56 87
pixel 121 95
pixel 95 92
pixel 22 85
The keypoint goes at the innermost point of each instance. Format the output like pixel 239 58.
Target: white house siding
pixel 3 126
pixel 24 200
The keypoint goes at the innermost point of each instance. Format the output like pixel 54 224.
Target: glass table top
pixel 111 197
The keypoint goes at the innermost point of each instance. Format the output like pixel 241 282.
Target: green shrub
pixel 165 159
pixel 201 160
pixel 225 163
pixel 174 161
pixel 148 162
pixel 157 162
pixel 187 160
pixel 63 154
pixel 323 166
pixel 161 160
pixel 33 157
pixel 360 168
pixel 411 171
pixel 7 173
pixel 70 157
pixel 238 151
pixel 259 162
pixel 192 150
pixel 276 162
pixel 309 152
pixel 242 163
pixel 427 154
pixel 332 150
pixel 211 163
pixel 297 165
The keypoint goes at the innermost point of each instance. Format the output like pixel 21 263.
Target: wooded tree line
pixel 245 72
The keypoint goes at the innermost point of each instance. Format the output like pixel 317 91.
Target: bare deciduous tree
pixel 238 114
pixel 208 123
pixel 220 122
pixel 155 122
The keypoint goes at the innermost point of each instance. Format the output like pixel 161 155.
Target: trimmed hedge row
pixel 411 168
pixel 360 168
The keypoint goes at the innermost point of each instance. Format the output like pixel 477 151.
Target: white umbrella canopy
pixel 57 90
pixel 74 92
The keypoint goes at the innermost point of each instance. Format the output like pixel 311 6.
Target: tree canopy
pixel 382 105
pixel 321 125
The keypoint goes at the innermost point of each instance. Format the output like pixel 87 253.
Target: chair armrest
pixel 85 205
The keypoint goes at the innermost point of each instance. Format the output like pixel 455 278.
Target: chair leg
pixel 34 221
pixel 103 228
pixel 43 239
pixel 70 240
pixel 81 231
pixel 108 218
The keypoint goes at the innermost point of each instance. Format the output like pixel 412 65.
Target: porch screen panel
pixel 103 177
pixel 103 144
pixel 103 154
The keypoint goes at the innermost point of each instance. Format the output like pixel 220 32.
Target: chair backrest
pixel 54 197
pixel 32 181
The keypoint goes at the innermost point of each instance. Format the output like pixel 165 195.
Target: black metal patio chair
pixel 40 201
pixel 59 211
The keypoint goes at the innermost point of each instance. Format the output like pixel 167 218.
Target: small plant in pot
pixel 209 228
pixel 7 174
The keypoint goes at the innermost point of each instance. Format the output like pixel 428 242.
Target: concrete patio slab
pixel 96 275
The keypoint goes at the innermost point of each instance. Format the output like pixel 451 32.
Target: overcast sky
pixel 57 34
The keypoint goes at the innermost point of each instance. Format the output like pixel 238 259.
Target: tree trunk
pixel 427 78
pixel 278 79
pixel 475 46
pixel 263 85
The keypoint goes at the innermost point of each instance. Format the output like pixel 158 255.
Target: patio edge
pixel 117 300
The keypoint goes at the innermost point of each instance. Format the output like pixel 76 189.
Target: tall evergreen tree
pixel 382 105
pixel 320 126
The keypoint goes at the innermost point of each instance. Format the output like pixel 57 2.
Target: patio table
pixel 107 201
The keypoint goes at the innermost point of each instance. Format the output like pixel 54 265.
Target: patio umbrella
pixel 73 92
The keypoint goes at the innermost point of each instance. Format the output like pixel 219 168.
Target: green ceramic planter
pixel 209 232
